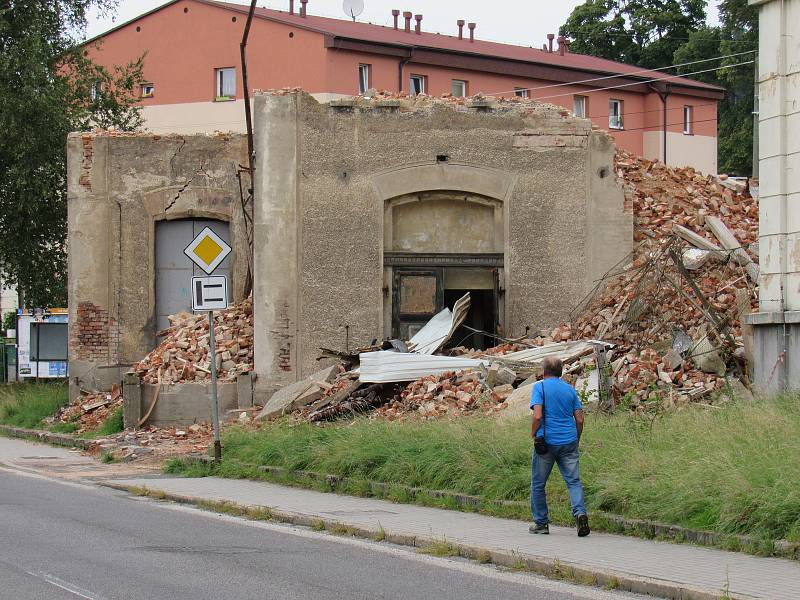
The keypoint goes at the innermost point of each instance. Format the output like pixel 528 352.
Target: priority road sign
pixel 207 250
pixel 209 293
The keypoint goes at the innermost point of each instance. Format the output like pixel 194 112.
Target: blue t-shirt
pixel 560 402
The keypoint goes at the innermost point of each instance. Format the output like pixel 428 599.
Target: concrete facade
pixel 777 324
pixel 119 186
pixel 324 56
pixel 342 187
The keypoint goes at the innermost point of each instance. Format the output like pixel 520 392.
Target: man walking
pixel 556 429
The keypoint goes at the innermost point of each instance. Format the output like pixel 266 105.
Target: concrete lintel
pixel 773 318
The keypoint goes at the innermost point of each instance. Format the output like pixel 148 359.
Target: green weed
pixel 26 404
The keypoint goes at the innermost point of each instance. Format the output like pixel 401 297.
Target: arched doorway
pixel 439 245
pixel 174 270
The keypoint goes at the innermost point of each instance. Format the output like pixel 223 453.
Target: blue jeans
pixel 567 458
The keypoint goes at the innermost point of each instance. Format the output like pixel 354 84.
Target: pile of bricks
pixel 89 411
pixel 648 305
pixel 451 394
pixel 183 356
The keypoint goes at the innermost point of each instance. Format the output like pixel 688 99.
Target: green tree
pixel 645 33
pixel 46 83
pixel 661 33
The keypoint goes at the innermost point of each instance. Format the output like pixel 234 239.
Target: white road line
pixel 64 585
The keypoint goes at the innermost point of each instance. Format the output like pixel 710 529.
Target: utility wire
pixel 618 75
pixel 615 87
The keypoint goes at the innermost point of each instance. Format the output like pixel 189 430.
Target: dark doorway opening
pixel 482 316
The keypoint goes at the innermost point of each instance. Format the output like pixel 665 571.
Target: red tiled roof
pixel 388 35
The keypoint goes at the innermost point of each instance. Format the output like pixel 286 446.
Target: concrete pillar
pixel 777 322
pixel 275 302
pixel 132 400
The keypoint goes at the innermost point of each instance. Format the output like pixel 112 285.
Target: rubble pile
pixel 157 443
pixel 447 395
pixel 183 355
pixel 674 311
pixel 663 196
pixel 89 411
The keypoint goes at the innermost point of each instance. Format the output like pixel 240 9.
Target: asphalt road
pixel 63 540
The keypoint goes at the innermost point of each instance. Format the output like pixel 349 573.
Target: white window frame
pixel 580 106
pixel 152 90
pixel 463 84
pixel 615 114
pixel 422 84
pixel 220 88
pixel 521 92
pixel 364 78
pixel 688 118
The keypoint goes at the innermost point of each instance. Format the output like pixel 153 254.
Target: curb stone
pixel 628 526
pixel 541 565
pixel 48 437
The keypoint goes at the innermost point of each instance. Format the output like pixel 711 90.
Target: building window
pixel 687 120
pixel 96 91
pixel 417 85
pixel 521 92
pixel 459 88
pixel 579 106
pixel 148 90
pixel 615 114
pixel 225 84
pixel 363 78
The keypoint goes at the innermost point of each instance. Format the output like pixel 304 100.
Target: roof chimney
pixel 567 42
pixel 291 7
pixel 461 24
pixel 561 45
pixel 472 27
pixel 550 38
pixel 418 28
pixel 303 12
pixel 407 16
pixel 395 14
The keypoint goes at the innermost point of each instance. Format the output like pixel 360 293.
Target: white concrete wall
pixel 203 117
pixel 779 154
pixel 697 151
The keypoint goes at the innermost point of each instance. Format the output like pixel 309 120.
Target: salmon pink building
pixel 194 79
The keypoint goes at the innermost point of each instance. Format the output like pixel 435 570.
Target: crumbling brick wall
pixel 94 334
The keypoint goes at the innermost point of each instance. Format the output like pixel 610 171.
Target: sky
pixel 522 22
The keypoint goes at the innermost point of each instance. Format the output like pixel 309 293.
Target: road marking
pixel 64 585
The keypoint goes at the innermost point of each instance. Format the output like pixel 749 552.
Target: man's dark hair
pixel 553 367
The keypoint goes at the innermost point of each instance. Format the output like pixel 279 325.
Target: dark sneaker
pixel 583 526
pixel 539 529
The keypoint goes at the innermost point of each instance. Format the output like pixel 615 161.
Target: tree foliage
pixel 659 33
pixel 46 83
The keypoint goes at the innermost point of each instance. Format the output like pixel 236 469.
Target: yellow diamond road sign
pixel 207 250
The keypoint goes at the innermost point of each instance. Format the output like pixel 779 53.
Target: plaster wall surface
pixel 118 187
pixel 776 323
pixel 326 172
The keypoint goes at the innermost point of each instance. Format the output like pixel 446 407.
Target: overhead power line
pixel 640 72
pixel 615 87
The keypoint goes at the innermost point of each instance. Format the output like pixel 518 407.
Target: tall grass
pixel 26 404
pixel 731 470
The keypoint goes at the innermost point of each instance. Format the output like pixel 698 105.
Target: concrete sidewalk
pixel 656 568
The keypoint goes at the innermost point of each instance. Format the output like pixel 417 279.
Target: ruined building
pixel 370 216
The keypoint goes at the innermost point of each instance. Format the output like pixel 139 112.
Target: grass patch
pixel 442 548
pixel 26 404
pixel 64 427
pixel 112 425
pixel 107 458
pixel 732 470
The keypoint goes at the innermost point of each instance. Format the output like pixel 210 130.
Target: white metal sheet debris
pixel 440 328
pixel 389 367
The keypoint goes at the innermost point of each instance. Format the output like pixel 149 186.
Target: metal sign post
pixel 212 354
pixel 207 251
